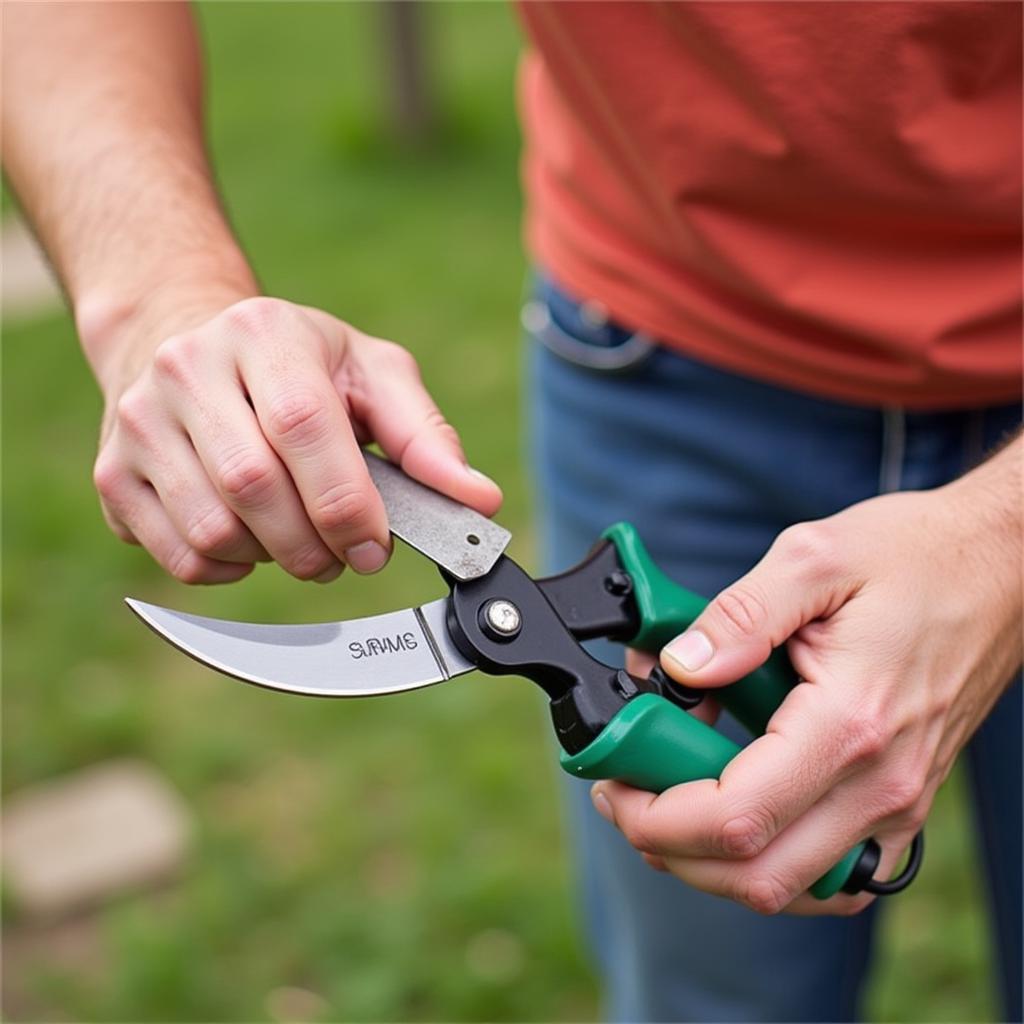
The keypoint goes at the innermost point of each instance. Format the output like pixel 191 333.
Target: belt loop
pixel 894 445
pixel 974 439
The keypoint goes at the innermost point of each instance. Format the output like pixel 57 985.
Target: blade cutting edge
pixel 390 653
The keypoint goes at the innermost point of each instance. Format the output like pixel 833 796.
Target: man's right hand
pixel 238 441
pixel 233 423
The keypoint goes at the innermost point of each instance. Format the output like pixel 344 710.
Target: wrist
pixel 119 328
pixel 987 519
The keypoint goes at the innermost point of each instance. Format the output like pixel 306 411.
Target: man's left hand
pixel 902 616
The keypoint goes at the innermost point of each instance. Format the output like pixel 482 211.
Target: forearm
pixel 989 502
pixel 103 144
pixel 999 482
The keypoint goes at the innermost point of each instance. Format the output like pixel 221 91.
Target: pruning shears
pixel 499 620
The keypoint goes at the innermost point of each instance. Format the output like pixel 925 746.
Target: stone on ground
pixel 86 837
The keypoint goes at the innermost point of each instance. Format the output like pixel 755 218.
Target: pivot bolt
pixel 501 619
pixel 619 583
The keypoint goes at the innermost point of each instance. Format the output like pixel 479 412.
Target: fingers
pixel 197 512
pixel 661 824
pixel 774 878
pixel 401 416
pixel 257 487
pixel 135 504
pixel 771 882
pixel 778 880
pixel 774 881
pixel 762 790
pixel 272 402
pixel 138 515
pixel 193 389
pixel 811 744
pixel 302 416
pixel 800 579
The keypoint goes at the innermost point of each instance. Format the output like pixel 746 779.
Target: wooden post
pixel 411 107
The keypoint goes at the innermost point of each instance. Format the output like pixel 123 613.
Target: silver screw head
pixel 503 617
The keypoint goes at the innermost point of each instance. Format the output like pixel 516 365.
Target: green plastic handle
pixel 666 609
pixel 654 745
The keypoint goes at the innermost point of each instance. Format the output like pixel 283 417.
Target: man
pixel 778 295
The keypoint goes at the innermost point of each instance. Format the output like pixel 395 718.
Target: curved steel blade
pixel 381 654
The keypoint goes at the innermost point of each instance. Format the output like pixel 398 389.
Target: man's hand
pixel 237 441
pixel 232 421
pixel 902 616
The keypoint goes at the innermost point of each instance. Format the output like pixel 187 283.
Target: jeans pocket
pixel 580 332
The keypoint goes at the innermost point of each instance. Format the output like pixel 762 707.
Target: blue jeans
pixel 710 467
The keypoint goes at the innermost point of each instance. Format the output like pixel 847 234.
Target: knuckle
pixel 903 793
pixel 942 706
pixel 763 893
pixel 133 412
pixel 186 565
pixel 175 357
pixel 811 546
pixel 742 610
pixel 434 429
pixel 107 477
pixel 865 737
pixel 248 478
pixel 341 507
pixel 450 434
pixel 397 358
pixel 309 562
pixel 299 418
pixel 259 316
pixel 745 835
pixel 443 429
pixel 215 529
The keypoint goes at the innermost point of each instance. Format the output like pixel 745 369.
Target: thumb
pixel 739 629
pixel 405 421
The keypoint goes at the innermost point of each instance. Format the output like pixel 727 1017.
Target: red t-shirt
pixel 825 195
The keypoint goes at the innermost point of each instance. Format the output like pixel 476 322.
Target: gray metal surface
pixel 381 654
pixel 458 539
pixel 504 617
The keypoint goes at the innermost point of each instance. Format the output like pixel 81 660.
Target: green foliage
pixel 402 859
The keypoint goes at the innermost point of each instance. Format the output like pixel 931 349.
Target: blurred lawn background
pixel 402 859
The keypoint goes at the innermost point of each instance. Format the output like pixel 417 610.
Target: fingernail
pixel 367 557
pixel 329 574
pixel 602 804
pixel 480 476
pixel 691 651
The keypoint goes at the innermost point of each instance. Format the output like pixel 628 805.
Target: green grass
pixel 403 859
